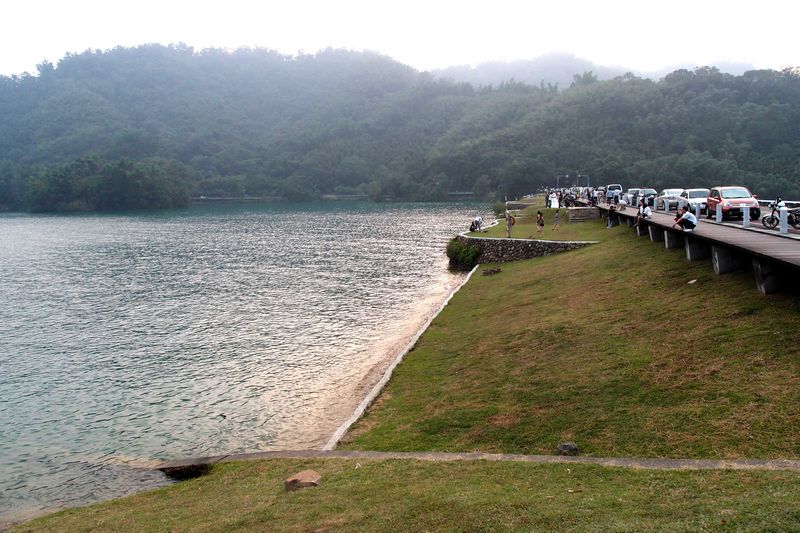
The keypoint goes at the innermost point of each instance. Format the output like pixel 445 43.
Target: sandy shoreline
pixel 337 408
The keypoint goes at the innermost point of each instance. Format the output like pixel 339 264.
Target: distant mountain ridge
pixel 152 125
pixel 559 69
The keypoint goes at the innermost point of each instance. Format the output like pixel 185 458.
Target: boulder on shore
pixel 301 480
pixel 567 448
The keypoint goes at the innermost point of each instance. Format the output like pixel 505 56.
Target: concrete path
pixel 189 467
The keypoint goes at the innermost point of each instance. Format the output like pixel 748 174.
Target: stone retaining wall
pixel 578 214
pixel 504 250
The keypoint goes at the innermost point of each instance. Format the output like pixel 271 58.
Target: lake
pixel 130 338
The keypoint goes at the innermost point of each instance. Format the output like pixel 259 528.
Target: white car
pixel 668 198
pixel 694 197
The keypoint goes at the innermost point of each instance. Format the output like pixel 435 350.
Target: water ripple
pixel 130 338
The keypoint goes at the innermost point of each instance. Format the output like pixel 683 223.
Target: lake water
pixel 130 338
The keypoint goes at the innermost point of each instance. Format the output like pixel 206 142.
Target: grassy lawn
pixel 402 495
pixel 608 346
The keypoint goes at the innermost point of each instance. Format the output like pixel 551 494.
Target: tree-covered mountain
pixel 149 126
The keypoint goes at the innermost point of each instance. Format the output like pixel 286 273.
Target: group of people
pixel 557 198
pixel 684 220
pixel 510 221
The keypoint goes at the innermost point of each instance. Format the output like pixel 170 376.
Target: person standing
pixel 509 223
pixel 557 220
pixel 539 223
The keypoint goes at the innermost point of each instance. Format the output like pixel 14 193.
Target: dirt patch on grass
pixel 504 420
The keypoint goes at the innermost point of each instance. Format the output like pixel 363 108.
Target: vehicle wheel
pixel 770 221
pixel 795 222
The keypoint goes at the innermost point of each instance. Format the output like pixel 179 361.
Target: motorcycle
pixel 772 220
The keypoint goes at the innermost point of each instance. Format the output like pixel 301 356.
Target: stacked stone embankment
pixel 504 250
pixel 578 214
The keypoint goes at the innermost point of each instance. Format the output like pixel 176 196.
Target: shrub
pixel 462 256
pixel 499 208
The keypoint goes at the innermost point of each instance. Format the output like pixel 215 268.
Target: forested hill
pixel 149 126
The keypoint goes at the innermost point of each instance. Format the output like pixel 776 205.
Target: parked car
pixel 615 188
pixel 631 196
pixel 668 198
pixel 693 197
pixel 731 200
pixel 649 195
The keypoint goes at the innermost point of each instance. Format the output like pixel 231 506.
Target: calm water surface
pixel 128 338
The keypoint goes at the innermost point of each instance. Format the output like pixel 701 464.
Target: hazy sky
pixel 426 34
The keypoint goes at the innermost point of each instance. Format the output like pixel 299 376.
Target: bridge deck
pixel 785 249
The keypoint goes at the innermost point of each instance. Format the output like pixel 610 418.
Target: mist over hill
pixel 151 125
pixel 550 69
pixel 559 69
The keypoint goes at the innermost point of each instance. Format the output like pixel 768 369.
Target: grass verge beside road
pixel 608 346
pixel 401 495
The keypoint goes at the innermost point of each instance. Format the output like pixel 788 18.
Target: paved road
pixel 753 241
pixel 755 225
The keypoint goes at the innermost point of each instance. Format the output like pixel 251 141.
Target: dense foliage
pixel 462 255
pixel 149 126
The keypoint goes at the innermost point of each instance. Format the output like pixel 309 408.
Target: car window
pixel 698 194
pixel 735 193
pixel 648 191
pixel 714 194
pixel 684 194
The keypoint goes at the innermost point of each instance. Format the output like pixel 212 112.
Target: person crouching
pixel 685 219
pixel 644 212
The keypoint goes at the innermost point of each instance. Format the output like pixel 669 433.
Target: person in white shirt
pixel 686 221
pixel 644 212
pixel 553 200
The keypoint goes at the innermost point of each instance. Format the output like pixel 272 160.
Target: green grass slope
pixel 464 496
pixel 608 346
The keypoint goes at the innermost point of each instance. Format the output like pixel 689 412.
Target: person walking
pixel 557 220
pixel 539 223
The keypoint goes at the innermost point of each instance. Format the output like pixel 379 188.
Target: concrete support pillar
pixel 641 230
pixel 726 260
pixel 766 274
pixel 656 233
pixel 718 212
pixel 696 249
pixel 784 220
pixel 697 210
pixel 746 217
pixel 673 239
